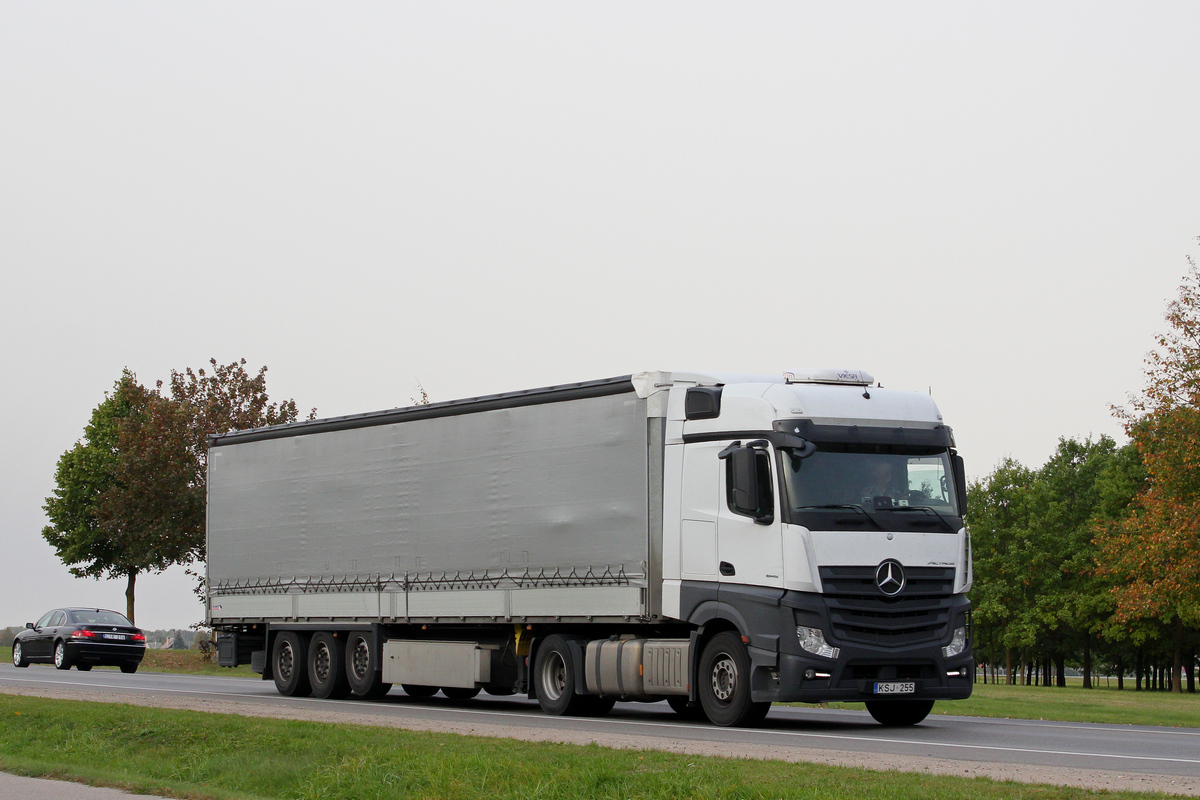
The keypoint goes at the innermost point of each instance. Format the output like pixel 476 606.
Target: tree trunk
pixel 132 578
pixel 1009 677
pixel 1138 670
pixel 1190 661
pixel 1177 660
pixel 1087 660
pixel 1120 674
pixel 1060 671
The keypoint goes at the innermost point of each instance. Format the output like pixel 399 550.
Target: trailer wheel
pixel 327 666
pixel 415 690
pixel 899 713
pixel 362 667
pixel 459 693
pixel 554 671
pixel 724 683
pixel 289 660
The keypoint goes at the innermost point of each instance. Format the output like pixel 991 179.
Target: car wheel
pixel 19 659
pixel 899 713
pixel 362 667
pixel 327 666
pixel 289 664
pixel 129 668
pixel 414 690
pixel 724 683
pixel 61 660
pixel 459 693
pixel 83 667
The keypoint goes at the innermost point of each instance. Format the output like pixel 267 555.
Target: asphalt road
pixel 1172 753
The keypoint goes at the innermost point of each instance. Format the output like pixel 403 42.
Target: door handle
pixel 727 568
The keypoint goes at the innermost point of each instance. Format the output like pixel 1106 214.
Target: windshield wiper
pixel 927 510
pixel 843 506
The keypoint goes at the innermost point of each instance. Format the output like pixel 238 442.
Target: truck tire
pixel 899 713
pixel 415 690
pixel 723 683
pixel 289 664
pixel 61 660
pixel 554 672
pixel 362 667
pixel 327 666
pixel 459 693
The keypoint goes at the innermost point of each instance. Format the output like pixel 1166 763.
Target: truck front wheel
pixel 289 660
pixel 724 683
pixel 899 713
pixel 362 667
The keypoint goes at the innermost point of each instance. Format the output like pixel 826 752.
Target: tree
pixel 115 496
pixel 1153 554
pixel 129 496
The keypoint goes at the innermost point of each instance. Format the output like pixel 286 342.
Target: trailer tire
pixel 327 666
pixel 724 683
pixel 554 672
pixel 459 692
pixel 289 664
pixel 418 690
pixel 362 667
pixel 899 713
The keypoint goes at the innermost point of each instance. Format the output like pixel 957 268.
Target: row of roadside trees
pixel 129 495
pixel 1093 559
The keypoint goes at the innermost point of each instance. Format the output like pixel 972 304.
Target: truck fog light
pixel 813 641
pixel 958 643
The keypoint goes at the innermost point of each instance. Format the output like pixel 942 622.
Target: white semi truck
pixel 717 541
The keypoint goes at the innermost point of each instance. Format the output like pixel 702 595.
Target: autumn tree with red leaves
pixel 129 496
pixel 1153 553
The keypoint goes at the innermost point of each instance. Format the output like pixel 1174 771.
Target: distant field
pixel 196 755
pixel 191 662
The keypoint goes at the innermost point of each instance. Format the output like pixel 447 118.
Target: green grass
pixel 1071 704
pixel 197 755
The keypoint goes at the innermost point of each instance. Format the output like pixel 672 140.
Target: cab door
pixel 749 540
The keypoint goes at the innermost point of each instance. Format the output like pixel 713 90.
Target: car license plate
pixel 120 636
pixel 905 687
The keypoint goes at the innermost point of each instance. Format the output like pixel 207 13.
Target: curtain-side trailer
pixel 718 541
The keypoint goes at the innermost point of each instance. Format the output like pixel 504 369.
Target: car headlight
pixel 813 641
pixel 958 643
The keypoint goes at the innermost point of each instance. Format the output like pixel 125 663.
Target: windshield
pixel 872 477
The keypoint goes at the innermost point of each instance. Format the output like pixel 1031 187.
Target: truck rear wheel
pixel 362 667
pixel 415 690
pixel 681 706
pixel 327 666
pixel 899 713
pixel 289 659
pixel 724 683
pixel 459 692
pixel 554 672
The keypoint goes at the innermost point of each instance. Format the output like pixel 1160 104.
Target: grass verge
pixel 197 755
pixel 1072 704
pixel 188 662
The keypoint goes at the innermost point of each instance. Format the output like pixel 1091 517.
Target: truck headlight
pixel 813 641
pixel 958 643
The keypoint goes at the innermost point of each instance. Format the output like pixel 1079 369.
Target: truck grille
pixel 859 612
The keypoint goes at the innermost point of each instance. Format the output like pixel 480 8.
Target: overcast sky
pixel 989 201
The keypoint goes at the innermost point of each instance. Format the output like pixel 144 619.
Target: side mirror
pixel 960 482
pixel 747 475
pixel 29 625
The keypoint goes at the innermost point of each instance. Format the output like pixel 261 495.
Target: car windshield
pixel 100 618
pixel 871 477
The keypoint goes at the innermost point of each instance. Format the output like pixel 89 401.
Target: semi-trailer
pixel 719 541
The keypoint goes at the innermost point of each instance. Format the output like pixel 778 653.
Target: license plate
pixel 120 636
pixel 905 687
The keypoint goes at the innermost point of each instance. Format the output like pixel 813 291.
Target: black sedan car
pixel 80 637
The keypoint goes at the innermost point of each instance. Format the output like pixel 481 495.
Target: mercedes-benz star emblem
pixel 889 577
